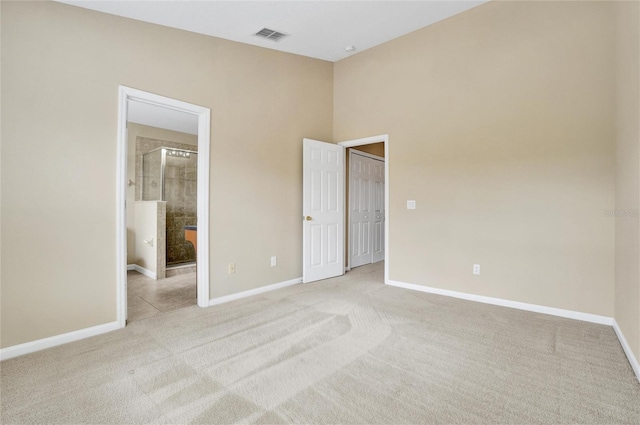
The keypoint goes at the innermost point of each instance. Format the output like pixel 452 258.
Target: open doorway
pixel 377 148
pixel 163 171
pixel 162 163
pixel 365 206
pixel 324 207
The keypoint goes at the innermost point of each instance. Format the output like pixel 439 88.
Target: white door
pixel 377 201
pixel 366 209
pixel 360 214
pixel 323 210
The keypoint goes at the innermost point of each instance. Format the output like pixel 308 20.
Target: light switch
pixel 411 205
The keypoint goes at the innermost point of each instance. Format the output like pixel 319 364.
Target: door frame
pixel 353 151
pixel 369 141
pixel 126 94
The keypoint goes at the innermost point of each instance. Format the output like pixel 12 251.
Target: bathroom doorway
pixel 162 223
pixel 163 150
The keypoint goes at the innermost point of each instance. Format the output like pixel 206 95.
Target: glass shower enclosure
pixel 170 175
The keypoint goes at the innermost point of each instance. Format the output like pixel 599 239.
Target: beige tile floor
pixel 147 297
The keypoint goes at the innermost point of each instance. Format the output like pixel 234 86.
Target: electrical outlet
pixel 232 268
pixel 476 269
pixel 411 205
pixel 274 261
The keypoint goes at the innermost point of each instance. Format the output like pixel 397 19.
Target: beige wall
pixel 500 124
pixel 374 149
pixel 627 288
pixel 138 130
pixel 61 67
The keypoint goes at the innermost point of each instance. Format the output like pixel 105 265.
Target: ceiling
pixel 320 29
pixel 157 116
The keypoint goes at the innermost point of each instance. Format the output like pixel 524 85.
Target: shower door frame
pixel 163 183
pixel 163 163
pixel 204 121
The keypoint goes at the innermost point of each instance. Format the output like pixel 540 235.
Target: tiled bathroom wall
pixel 180 193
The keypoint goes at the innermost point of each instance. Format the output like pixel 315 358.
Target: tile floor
pixel 147 297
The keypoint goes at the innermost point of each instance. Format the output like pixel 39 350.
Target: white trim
pixel 369 141
pixel 204 119
pixel 365 141
pixel 144 271
pixel 387 212
pixel 251 292
pixel 41 344
pixel 627 350
pixel 121 217
pixel 202 256
pixel 569 314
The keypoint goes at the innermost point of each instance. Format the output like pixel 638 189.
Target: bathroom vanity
pixel 191 235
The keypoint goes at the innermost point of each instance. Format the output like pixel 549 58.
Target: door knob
pixel 308 218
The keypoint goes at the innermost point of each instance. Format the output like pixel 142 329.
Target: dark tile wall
pixel 180 195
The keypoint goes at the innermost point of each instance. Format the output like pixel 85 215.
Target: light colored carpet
pixel 345 350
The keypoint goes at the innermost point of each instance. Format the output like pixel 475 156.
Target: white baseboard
pixel 41 344
pixel 570 314
pixel 627 350
pixel 142 270
pixel 251 292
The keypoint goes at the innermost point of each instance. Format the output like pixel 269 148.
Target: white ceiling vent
pixel 269 34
